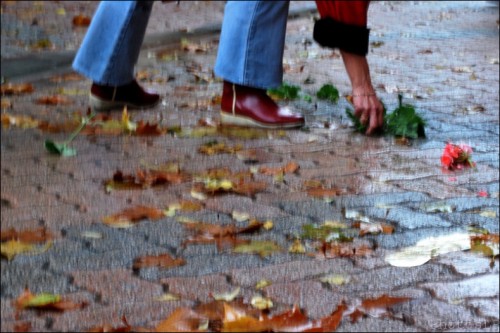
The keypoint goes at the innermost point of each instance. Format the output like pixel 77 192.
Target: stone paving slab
pixel 443 58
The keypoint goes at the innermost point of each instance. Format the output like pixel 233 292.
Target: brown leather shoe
pixel 252 107
pixel 132 95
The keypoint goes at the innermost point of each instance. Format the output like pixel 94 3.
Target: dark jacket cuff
pixel 346 37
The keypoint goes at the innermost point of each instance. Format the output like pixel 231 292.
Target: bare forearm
pixel 367 106
pixel 359 73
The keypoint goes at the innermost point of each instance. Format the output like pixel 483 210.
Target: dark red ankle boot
pixel 252 107
pixel 132 95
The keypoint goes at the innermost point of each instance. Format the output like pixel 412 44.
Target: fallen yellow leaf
pixel 228 297
pixel 12 248
pixel 262 284
pixel 297 247
pixel 261 303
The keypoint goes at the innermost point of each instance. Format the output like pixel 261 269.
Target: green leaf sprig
pixel 402 122
pixel 285 91
pixel 328 92
pixel 288 92
pixel 63 148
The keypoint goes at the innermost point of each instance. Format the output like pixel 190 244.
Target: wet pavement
pixel 443 57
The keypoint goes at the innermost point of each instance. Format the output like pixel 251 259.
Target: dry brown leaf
pixel 144 179
pixel 249 188
pixel 122 181
pixel 213 148
pixel 144 129
pixel 157 177
pixel 190 206
pixel 356 315
pixel 161 260
pixel 73 76
pixel 294 320
pixel 216 230
pixel 223 242
pixel 130 216
pixel 345 249
pixel 329 323
pixel 236 316
pixel 19 121
pixel 324 192
pixel 6 104
pixel 290 167
pixel 16 89
pixel 216 181
pixel 349 99
pixel 494 238
pixel 65 127
pixel 383 301
pixel 182 320
pixel 53 100
pixel 81 21
pixel 45 301
pixel 39 235
pixel 183 205
pixel 376 307
pixel 373 228
pixel 222 236
pixel 237 319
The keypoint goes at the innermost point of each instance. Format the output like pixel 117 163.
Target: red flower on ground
pixel 483 194
pixel 456 157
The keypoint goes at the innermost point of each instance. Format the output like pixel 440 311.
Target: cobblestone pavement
pixel 443 57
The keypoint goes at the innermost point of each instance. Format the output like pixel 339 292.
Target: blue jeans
pixel 252 43
pixel 110 49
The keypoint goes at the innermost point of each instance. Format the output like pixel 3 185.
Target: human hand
pixel 369 110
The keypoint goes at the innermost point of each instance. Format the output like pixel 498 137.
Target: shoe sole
pixel 229 119
pixel 99 104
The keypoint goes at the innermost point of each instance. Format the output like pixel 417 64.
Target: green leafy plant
pixel 405 122
pixel 328 92
pixel 289 92
pixel 402 122
pixel 357 123
pixel 307 98
pixel 285 91
pixel 63 148
pixel 359 127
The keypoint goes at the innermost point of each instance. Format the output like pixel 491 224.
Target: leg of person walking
pixel 109 52
pixel 250 60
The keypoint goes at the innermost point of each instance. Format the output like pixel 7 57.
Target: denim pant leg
pixel 252 43
pixel 111 46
